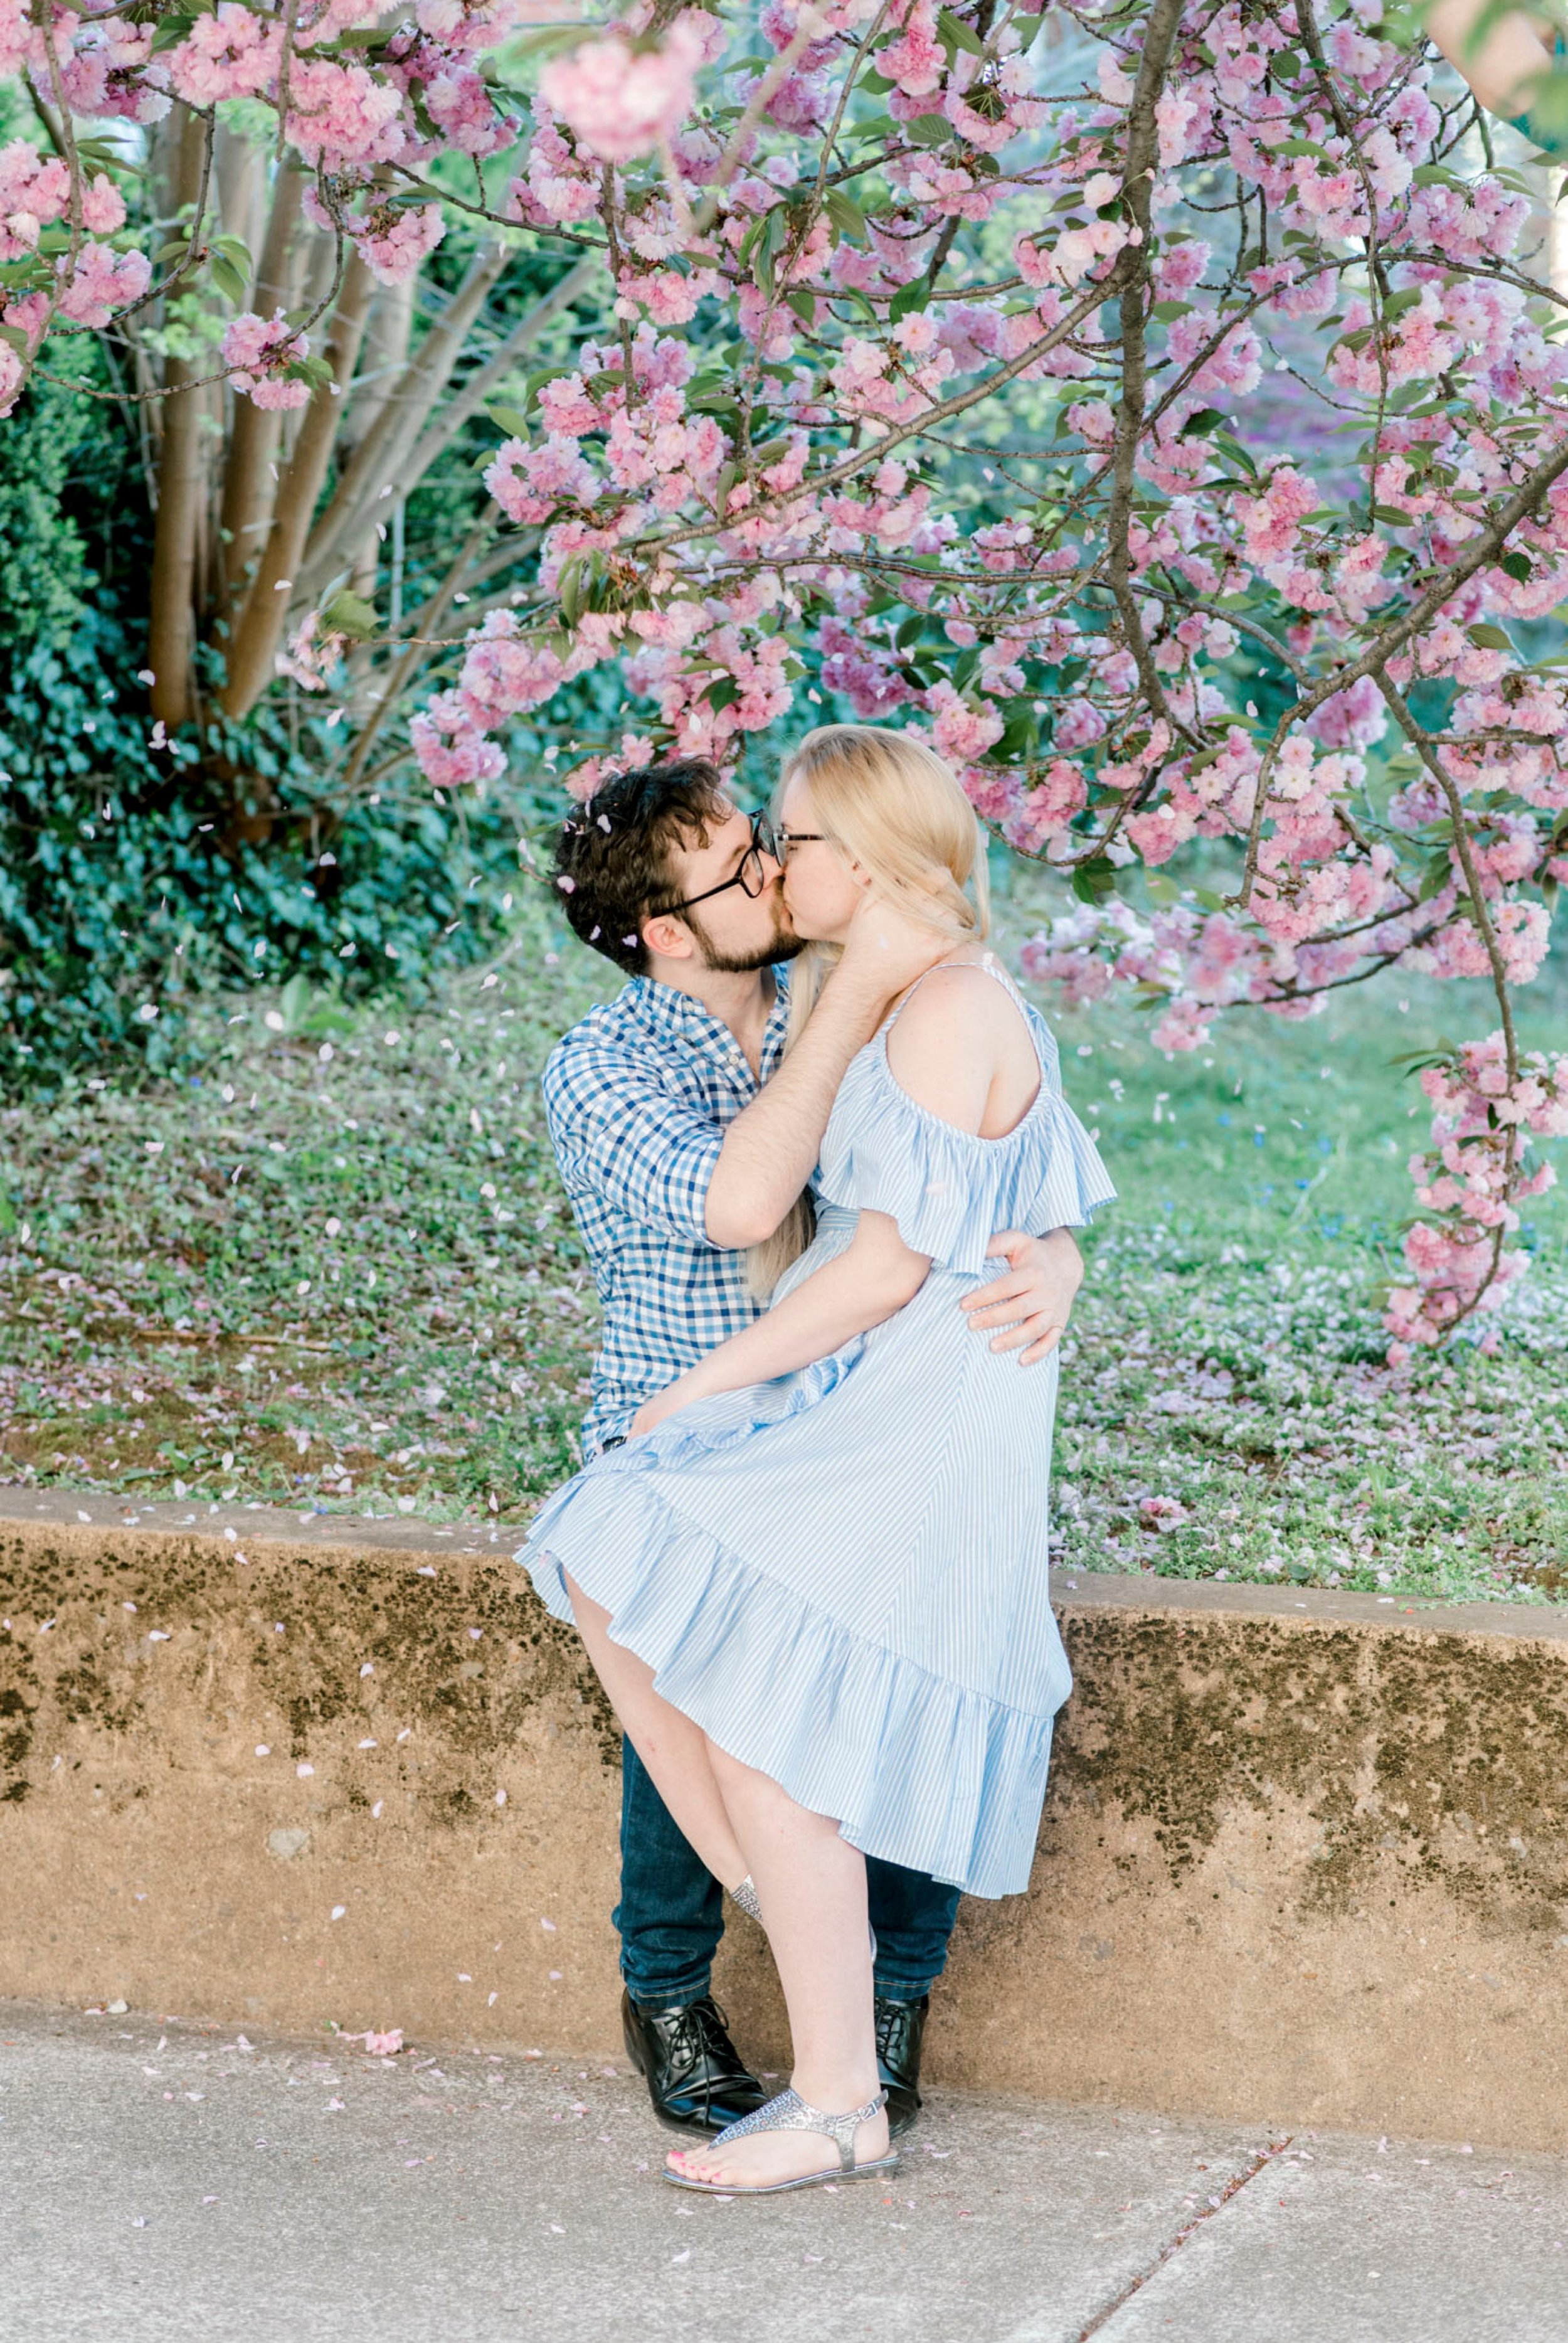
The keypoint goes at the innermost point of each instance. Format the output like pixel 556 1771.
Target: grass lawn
pixel 336 1269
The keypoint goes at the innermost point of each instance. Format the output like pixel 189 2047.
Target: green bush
pixel 124 887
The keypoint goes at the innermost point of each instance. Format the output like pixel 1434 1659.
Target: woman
pixel 814 1583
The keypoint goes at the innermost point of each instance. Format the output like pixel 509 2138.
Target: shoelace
pixel 691 2037
pixel 889 2019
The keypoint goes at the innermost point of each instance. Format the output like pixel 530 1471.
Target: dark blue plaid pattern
pixel 639 1096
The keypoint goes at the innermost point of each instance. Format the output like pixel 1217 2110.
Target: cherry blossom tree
pixel 1158 401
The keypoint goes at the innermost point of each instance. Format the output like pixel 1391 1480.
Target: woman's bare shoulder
pixel 954 1034
pixel 961 997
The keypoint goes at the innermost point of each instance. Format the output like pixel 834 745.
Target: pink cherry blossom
pixel 394 245
pixel 618 100
pixel 258 350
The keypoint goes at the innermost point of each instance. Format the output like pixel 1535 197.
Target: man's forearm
pixel 771 1147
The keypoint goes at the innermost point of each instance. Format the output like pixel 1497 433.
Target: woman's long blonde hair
pixel 887 801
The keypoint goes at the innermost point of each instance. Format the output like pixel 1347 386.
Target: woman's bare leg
pixel 673 1749
pixel 812 1886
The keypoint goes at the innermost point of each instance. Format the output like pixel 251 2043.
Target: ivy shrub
pixel 126 882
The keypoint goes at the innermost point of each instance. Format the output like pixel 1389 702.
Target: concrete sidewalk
pixel 160 2180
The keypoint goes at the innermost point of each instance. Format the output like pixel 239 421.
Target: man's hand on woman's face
pixel 885 951
pixel 1032 1300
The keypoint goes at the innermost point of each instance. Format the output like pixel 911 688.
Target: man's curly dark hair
pixel 618 852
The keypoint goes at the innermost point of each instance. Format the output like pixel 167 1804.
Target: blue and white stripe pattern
pixel 841 1574
pixel 638 1097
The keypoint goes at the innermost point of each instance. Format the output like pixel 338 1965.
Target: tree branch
pixel 171 637
pixel 247 489
pixel 261 620
pixel 379 460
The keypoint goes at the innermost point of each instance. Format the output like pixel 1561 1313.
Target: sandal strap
pixel 789 2112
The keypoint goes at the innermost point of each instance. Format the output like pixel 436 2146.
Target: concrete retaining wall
pixel 1304 1858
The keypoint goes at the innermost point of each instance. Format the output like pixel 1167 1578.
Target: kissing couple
pixel 808 1554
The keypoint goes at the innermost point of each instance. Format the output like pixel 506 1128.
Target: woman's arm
pixel 946 1059
pixel 873 1277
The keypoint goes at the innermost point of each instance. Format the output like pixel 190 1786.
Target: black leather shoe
pixel 694 2072
pixel 900 2030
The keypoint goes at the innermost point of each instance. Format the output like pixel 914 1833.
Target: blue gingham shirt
pixel 639 1096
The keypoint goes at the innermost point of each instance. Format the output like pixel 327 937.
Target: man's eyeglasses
pixel 750 876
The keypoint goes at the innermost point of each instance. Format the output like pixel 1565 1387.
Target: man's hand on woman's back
pixel 1030 1302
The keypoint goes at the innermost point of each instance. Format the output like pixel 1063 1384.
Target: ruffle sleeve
pixel 948 1191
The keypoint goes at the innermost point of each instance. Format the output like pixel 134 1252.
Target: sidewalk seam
pixel 1233 2188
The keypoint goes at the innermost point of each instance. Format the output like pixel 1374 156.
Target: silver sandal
pixel 790 2112
pixel 748 1900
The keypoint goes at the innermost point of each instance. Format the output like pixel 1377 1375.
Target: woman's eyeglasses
pixel 749 877
pixel 789 838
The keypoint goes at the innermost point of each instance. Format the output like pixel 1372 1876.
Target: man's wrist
pixel 855 1000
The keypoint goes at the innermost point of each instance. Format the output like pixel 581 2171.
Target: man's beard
pixel 786 945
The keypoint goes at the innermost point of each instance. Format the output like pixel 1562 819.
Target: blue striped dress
pixel 841 1574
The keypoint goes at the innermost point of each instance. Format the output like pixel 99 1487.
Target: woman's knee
pixel 732 1774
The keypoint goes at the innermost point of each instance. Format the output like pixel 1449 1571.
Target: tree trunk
pixel 382 361
pixel 240 166
pixel 248 487
pixel 171 637
pixel 377 465
pixel 259 626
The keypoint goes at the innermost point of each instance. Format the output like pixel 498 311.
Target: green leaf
pixel 912 629
pixel 909 298
pixel 227 277
pixel 1205 419
pixel 1237 453
pixel 171 32
pixel 510 420
pixel 846 215
pixel 1517 567
pixel 1438 874
pixel 804 305
pixel 351 615
pixel 952 32
pixel 930 129
pixel 1165 311
pixel 722 692
pixel 535 382
pixel 1093 881
pixel 570 590
pixel 1488 638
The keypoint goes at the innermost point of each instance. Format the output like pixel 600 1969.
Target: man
pixel 682 1140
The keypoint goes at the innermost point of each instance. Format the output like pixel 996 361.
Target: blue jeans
pixel 671 1915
